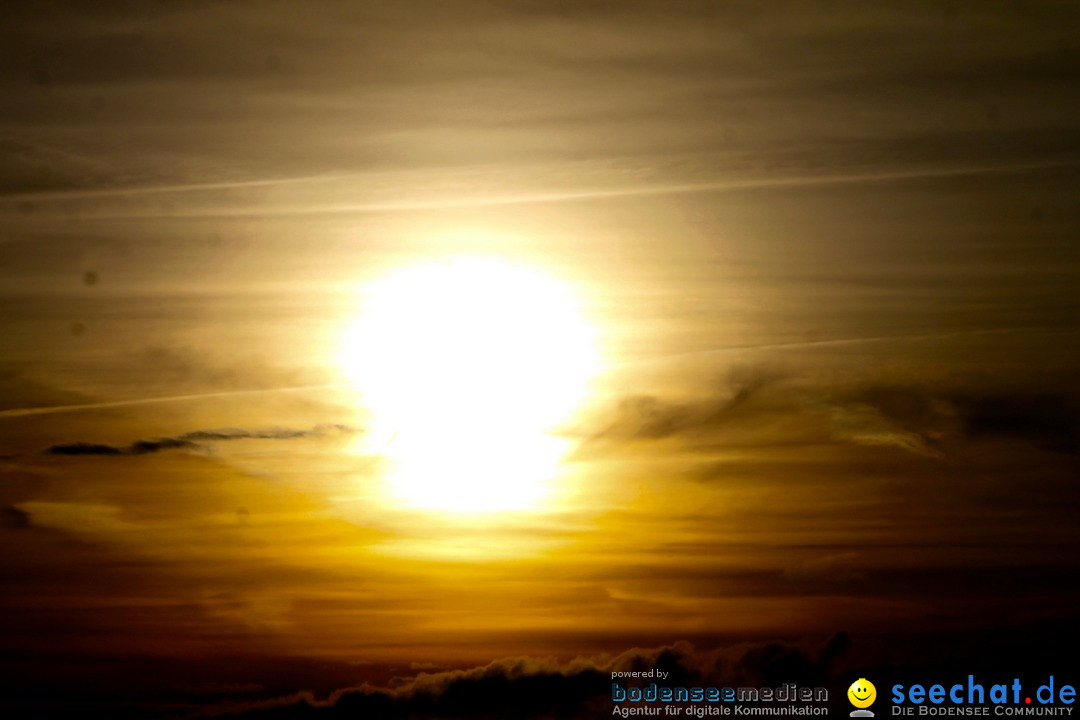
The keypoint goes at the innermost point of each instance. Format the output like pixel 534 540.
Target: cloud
pixel 530 687
pixel 928 416
pixel 926 419
pixel 865 425
pixel 648 417
pixel 195 439
pixel 13 517
pixel 81 448
pixel 1049 421
pixel 636 71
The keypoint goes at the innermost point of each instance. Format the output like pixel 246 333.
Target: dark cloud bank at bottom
pixel 541 687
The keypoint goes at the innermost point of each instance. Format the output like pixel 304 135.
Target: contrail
pixel 177 188
pixel 539 198
pixel 836 342
pixel 521 198
pixel 53 409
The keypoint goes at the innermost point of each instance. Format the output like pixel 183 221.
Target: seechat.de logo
pixel 973 698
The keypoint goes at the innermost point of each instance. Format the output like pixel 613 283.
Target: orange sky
pixel 827 258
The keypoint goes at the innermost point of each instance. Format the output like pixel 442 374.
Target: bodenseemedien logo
pixel 862 694
pixel 699 702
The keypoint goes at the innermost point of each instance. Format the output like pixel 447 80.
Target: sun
pixel 466 365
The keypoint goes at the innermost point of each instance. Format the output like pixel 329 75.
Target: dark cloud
pixel 935 417
pixel 532 688
pixel 648 417
pixel 1048 421
pixel 81 448
pixel 12 516
pixel 928 418
pixel 528 687
pixel 194 439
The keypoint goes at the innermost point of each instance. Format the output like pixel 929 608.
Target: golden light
pixel 466 366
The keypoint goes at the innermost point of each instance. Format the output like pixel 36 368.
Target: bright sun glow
pixel 466 366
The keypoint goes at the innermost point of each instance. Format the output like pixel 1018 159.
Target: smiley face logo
pixel 862 693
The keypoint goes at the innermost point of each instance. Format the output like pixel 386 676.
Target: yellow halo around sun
pixel 466 365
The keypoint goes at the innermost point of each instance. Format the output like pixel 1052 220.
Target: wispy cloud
pixel 194 439
pixel 930 417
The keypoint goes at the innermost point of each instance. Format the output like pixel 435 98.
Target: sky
pixel 434 359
